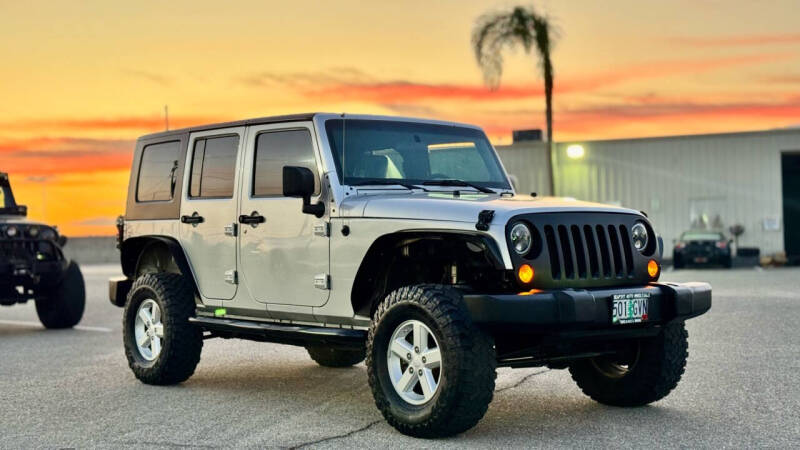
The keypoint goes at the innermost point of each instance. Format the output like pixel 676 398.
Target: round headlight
pixel 12 231
pixel 49 234
pixel 33 231
pixel 639 236
pixel 521 238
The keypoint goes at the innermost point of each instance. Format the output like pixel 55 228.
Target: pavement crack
pixel 338 436
pixel 166 444
pixel 522 380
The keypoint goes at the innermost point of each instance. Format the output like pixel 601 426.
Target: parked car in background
pixel 33 266
pixel 702 247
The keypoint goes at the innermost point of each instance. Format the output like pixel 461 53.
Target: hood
pixel 464 208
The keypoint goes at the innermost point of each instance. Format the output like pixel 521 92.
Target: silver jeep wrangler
pixel 399 241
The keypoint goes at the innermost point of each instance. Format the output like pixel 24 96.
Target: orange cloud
pixel 141 124
pixel 362 88
pixel 733 41
pixel 670 117
pixel 48 156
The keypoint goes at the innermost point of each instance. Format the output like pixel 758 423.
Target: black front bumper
pixel 31 277
pixel 586 308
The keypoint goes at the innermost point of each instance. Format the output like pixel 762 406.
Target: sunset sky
pixel 79 81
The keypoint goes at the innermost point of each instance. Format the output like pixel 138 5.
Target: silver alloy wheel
pixel 148 330
pixel 415 362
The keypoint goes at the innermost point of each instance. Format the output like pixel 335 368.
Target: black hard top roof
pixel 237 123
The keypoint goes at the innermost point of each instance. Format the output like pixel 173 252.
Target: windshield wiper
pixel 408 186
pixel 455 182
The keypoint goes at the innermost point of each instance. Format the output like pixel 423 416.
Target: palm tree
pixel 521 26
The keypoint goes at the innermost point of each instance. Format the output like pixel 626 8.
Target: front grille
pixel 27 249
pixel 589 252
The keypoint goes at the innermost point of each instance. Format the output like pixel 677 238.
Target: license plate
pixel 701 259
pixel 629 308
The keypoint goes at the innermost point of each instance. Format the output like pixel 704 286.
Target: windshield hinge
pixel 322 229
pixel 484 219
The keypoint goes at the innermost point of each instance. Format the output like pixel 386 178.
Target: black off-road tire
pixel 466 386
pixel 335 357
pixel 62 306
pixel 656 371
pixel 182 341
pixel 727 262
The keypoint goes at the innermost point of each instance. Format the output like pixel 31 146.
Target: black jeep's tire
pixel 656 367
pixel 62 306
pixel 182 341
pixel 468 362
pixel 727 262
pixel 335 357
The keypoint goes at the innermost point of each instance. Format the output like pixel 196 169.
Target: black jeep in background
pixel 33 266
pixel 702 247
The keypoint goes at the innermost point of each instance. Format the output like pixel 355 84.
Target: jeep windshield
pixel 385 152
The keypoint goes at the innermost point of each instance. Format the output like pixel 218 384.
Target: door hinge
pixel 322 229
pixel 230 229
pixel 322 281
pixel 232 276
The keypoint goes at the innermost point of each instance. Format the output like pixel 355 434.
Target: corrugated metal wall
pixel 727 178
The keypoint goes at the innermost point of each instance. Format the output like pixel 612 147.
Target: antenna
pixel 344 146
pixel 166 117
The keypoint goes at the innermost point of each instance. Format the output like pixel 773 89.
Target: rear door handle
pixel 194 219
pixel 253 219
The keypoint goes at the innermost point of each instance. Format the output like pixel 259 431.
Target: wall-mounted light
pixel 575 151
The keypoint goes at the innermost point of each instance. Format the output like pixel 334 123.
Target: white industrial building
pixel 681 182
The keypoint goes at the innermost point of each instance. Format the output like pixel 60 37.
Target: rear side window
pixel 213 167
pixel 276 149
pixel 158 172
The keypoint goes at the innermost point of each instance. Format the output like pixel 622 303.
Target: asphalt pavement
pixel 73 388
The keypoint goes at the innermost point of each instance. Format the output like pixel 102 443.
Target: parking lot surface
pixel 72 388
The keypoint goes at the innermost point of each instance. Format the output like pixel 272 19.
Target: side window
pixel 276 149
pixel 213 167
pixel 157 172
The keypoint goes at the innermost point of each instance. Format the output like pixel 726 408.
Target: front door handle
pixel 194 219
pixel 253 219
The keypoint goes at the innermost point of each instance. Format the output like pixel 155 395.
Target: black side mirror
pixel 299 182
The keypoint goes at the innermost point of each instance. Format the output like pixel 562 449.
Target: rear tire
pixel 458 375
pixel 179 342
pixel 334 357
pixel 63 306
pixel 654 367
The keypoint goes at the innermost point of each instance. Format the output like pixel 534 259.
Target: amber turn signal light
pixel 652 268
pixel 525 273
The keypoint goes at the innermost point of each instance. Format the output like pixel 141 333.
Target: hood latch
pixel 484 219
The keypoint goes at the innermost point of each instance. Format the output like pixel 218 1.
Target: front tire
pixel 63 306
pixel 334 357
pixel 447 383
pixel 161 345
pixel 727 262
pixel 648 372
